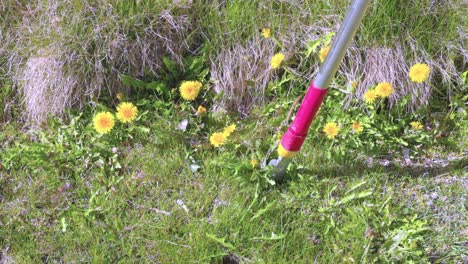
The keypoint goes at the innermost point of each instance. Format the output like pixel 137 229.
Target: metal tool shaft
pixel 330 66
pixel 346 33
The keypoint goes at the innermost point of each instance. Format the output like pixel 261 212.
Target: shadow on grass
pixel 430 170
pixel 360 168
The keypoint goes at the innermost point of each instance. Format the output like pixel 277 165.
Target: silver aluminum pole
pixel 330 66
pixel 346 33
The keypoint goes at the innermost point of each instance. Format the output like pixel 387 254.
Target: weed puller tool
pixel 294 138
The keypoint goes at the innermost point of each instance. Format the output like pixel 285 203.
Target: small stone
pixel 182 204
pixel 384 163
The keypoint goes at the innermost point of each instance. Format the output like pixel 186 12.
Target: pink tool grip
pixel 297 132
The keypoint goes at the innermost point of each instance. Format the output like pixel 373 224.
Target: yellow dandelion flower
pixel 357 127
pixel 201 110
pixel 331 129
pixel 323 53
pixel 126 112
pixel 416 125
pixel 266 32
pixel 119 96
pixel 277 60
pixel 189 89
pixel 419 72
pixel 217 139
pixel 384 89
pixel 103 122
pixel 370 96
pixel 228 130
pixel 254 163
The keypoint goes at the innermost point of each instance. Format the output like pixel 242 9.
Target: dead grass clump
pixel 387 65
pixel 60 53
pixel 243 73
pixel 45 87
pixel 5 257
pixel 370 66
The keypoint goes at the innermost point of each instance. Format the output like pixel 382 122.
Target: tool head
pixel 297 132
pixel 280 166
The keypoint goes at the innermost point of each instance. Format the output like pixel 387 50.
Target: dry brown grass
pixel 62 52
pixel 46 87
pixel 372 65
pixel 243 73
pixel 5 257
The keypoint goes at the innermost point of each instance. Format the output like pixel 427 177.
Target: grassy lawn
pixel 165 200
pixel 388 187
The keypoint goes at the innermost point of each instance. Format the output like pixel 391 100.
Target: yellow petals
pixel 189 89
pixel 266 32
pixel 217 139
pixel 103 122
pixel 357 127
pixel 201 110
pixel 254 163
pixel 277 60
pixel 126 112
pixel 331 129
pixel 370 96
pixel 384 89
pixel 419 72
pixel 323 53
pixel 416 125
pixel 228 130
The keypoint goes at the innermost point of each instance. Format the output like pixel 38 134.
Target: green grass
pixel 406 21
pixel 151 193
pixel 386 23
pixel 329 211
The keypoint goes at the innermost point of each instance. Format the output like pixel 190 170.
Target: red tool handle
pixel 297 132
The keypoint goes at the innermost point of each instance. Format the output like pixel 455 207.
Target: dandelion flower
pixel 331 129
pixel 189 89
pixel 419 72
pixel 228 130
pixel 370 96
pixel 254 163
pixel 119 96
pixel 217 139
pixel 416 125
pixel 103 122
pixel 266 32
pixel 384 89
pixel 277 60
pixel 126 112
pixel 357 127
pixel 201 110
pixel 323 53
